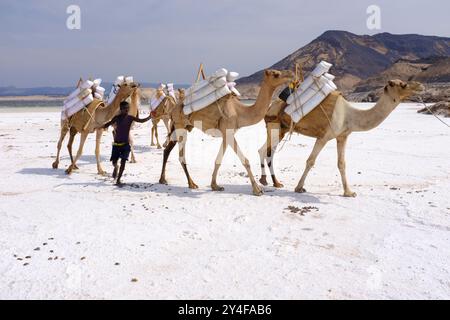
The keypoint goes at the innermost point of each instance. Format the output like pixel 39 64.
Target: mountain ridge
pixel 356 58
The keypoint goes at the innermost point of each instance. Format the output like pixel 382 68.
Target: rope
pixel 434 114
pixel 328 119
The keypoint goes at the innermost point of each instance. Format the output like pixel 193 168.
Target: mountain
pixel 433 72
pixel 357 57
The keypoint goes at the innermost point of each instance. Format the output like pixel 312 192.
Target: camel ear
pixel 391 83
pixel 267 73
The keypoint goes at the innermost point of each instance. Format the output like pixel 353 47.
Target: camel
pixel 83 123
pixel 222 118
pixel 334 118
pixel 163 113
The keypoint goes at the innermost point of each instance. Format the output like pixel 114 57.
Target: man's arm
pixel 113 120
pixel 142 120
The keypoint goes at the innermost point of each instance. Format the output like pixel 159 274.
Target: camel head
pixel 126 90
pixel 400 90
pixel 167 104
pixel 276 78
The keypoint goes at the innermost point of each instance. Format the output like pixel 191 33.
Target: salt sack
pixel 316 87
pixel 313 102
pixel 155 101
pixel 115 88
pixel 205 92
pixel 171 91
pixel 207 100
pixel 322 68
pixel 69 111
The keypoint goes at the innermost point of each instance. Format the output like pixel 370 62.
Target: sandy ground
pixel 81 237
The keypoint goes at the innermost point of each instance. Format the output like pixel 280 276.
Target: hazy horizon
pixel 164 41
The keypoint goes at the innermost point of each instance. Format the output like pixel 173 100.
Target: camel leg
pixel 73 133
pixel 263 153
pixel 318 146
pixel 167 151
pixel 79 153
pixel 182 158
pixel 158 145
pixel 64 130
pixel 219 158
pixel 271 154
pixel 257 190
pixel 341 144
pixel 98 139
pixel 154 127
pixel 167 124
pixel 131 141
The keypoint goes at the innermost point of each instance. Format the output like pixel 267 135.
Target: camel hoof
pixel 75 167
pixel 163 181
pixel 152 144
pixel 55 165
pixel 193 186
pixel 258 191
pixel 69 170
pixel 300 190
pixel 133 161
pixel 216 187
pixel 158 147
pixel 263 180
pixel 350 194
pixel 278 185
pixel 101 173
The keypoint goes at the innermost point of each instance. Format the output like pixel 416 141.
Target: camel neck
pixel 113 107
pixel 253 114
pixel 365 120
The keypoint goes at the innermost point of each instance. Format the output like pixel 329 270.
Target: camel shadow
pixel 58 173
pixel 141 148
pixel 241 190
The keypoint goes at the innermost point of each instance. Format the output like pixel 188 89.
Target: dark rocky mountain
pixel 356 58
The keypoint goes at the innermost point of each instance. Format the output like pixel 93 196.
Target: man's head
pixel 124 107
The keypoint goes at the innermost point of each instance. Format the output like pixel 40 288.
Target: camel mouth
pixel 416 87
pixel 288 75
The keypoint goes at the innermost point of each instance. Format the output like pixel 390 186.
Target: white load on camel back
pixel 115 88
pixel 163 91
pixel 82 97
pixel 209 90
pixel 316 87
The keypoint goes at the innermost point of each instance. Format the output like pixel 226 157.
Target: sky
pixel 164 41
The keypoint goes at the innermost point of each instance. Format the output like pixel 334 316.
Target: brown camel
pixel 87 121
pixel 334 118
pixel 223 118
pixel 162 112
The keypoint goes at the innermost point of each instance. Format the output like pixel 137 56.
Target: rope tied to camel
pixel 432 112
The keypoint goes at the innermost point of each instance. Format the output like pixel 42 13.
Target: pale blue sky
pixel 165 40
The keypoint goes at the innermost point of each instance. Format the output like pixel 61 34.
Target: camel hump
pixel 97 104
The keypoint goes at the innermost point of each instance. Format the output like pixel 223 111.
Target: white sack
pixel 206 101
pixel 155 102
pixel 204 91
pixel 232 76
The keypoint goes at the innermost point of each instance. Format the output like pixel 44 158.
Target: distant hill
pixel 434 72
pixel 356 58
pixel 62 91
